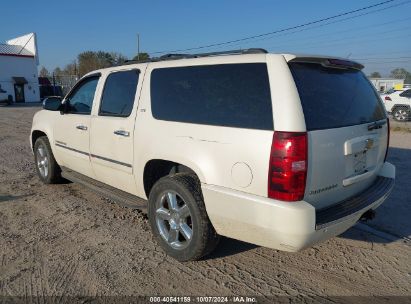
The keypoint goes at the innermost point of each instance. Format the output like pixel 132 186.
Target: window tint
pixel 81 100
pixel 333 98
pixel 406 93
pixel 233 95
pixel 119 93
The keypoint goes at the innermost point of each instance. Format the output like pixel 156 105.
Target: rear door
pixel 112 130
pixel 347 131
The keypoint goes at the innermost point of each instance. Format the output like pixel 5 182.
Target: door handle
pixel 122 133
pixel 81 127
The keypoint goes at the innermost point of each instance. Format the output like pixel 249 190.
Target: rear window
pixel 333 98
pixel 232 95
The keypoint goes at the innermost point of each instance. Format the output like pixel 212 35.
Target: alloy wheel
pixel 173 220
pixel 401 115
pixel 42 161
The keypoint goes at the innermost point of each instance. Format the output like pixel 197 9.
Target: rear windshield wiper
pixel 376 125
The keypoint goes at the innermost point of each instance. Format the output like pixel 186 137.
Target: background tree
pixel 142 57
pixel 401 73
pixel 375 75
pixel 57 73
pixel 71 69
pixel 90 60
pixel 118 58
pixel 44 72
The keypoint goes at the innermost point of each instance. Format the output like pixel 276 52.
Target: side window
pixel 81 99
pixel 406 93
pixel 119 93
pixel 231 95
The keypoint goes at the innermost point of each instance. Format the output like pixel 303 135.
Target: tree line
pixel 398 73
pixel 89 61
pixel 92 60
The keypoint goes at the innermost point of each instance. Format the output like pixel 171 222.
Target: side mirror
pixel 52 103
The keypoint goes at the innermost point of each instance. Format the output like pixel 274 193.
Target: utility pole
pixel 54 85
pixel 138 47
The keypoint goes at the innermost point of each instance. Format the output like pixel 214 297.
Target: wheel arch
pixel 156 168
pixel 403 106
pixel 35 134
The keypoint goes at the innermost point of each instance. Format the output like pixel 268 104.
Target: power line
pixel 343 43
pixel 381 58
pixel 385 52
pixel 277 31
pixel 343 31
pixel 332 22
pixel 388 62
pixel 349 39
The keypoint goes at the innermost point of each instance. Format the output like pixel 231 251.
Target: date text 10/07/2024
pixel 205 299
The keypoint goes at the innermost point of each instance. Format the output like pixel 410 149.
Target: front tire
pixel 401 114
pixel 47 168
pixel 178 218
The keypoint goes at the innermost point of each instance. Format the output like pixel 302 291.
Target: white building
pixel 384 84
pixel 18 68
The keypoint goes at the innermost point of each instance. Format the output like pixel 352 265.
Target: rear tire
pixel 47 168
pixel 178 218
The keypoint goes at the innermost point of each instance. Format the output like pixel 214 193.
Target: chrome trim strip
pixel 93 155
pixel 111 160
pixel 61 143
pixel 71 149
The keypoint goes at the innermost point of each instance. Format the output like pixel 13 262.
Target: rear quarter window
pixel 232 95
pixel 333 98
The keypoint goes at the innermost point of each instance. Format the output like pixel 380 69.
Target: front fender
pixel 43 121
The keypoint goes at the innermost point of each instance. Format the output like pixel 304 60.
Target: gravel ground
pixel 66 240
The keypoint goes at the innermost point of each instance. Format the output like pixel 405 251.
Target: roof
pixel 14 50
pixel 253 54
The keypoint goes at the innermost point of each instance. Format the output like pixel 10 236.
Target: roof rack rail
pixel 231 52
pixel 187 56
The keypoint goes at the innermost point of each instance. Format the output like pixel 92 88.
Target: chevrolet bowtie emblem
pixel 369 143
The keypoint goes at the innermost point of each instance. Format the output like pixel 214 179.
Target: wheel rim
pixel 173 219
pixel 401 115
pixel 42 161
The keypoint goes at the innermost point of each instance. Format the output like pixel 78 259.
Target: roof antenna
pixel 349 55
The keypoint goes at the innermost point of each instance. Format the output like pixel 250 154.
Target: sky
pixel 381 40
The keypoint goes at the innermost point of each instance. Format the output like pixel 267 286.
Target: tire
pixel 184 189
pixel 401 114
pixel 47 168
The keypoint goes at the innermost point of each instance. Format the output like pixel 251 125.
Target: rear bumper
pixel 289 226
pixel 378 191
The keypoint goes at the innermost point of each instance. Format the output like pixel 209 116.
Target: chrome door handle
pixel 122 133
pixel 81 127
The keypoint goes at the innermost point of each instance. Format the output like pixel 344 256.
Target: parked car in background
pixel 277 150
pixel 398 103
pixel 50 90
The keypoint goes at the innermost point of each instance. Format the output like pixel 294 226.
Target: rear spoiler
pixel 330 62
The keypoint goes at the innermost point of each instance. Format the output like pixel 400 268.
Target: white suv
pixel 278 150
pixel 399 104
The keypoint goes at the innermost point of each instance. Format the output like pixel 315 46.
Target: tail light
pixel 388 139
pixel 387 98
pixel 288 166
